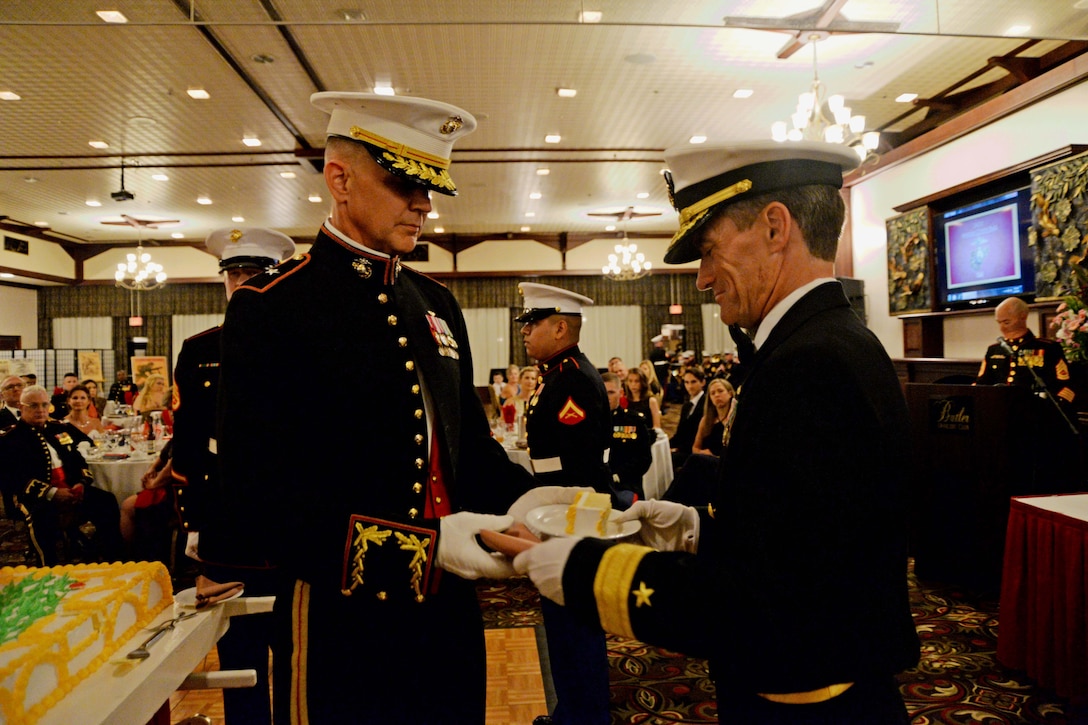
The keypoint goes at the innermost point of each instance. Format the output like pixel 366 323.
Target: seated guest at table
pixel 60 396
pixel 710 438
pixel 53 487
pixel 79 400
pixel 655 385
pixel 11 389
pixel 629 455
pixel 526 384
pixel 152 395
pixel 690 415
pixel 640 401
pixel 98 404
pixel 122 391
pixel 147 516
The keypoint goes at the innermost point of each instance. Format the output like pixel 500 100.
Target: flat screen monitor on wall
pixel 982 252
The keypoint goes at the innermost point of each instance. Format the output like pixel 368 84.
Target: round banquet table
pixel 120 477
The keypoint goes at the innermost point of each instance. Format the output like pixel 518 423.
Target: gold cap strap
pixel 361 134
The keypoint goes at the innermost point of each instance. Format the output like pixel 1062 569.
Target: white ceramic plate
pixel 551 520
pixel 187 598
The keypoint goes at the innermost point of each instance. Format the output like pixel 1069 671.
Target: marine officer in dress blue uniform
pixel 243 252
pixel 371 518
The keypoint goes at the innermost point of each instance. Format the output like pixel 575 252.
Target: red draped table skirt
pixel 1044 592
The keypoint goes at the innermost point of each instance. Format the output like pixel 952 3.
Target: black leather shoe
pixel 542 720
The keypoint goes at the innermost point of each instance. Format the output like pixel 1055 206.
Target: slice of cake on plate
pixel 588 515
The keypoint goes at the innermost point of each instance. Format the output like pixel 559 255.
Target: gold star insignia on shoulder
pixel 272 270
pixel 642 595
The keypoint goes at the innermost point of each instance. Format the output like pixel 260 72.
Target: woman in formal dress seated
pixel 710 437
pixel 641 401
pixel 98 404
pixel 152 395
pixel 79 403
pixel 655 385
pixel 526 384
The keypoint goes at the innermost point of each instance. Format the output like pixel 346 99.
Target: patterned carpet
pixel 958 681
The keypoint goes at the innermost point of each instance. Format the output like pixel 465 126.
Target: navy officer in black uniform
pixel 243 252
pixel 52 486
pixel 371 518
pixel 569 431
pixel 793 581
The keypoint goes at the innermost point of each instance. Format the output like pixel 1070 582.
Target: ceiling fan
pixel 137 223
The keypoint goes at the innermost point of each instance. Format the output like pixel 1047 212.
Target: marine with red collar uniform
pixel 1045 357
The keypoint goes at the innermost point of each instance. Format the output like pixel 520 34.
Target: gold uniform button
pixel 402 341
pixel 383 298
pixel 420 598
pixel 382 596
pixel 207 383
pixel 438 499
pixel 417 487
pixel 415 390
pixel 392 320
pixel 413 512
pixel 419 439
pixel 410 365
pixel 419 463
pixel 419 413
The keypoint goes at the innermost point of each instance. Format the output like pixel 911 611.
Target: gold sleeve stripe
pixel 300 634
pixel 612 586
pixel 361 134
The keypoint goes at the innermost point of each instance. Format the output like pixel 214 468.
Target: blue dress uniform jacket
pixel 1045 357
pixel 340 503
pixel 630 455
pixel 26 474
pixel 568 423
pixel 800 581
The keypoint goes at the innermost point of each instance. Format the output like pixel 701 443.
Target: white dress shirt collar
pixel 779 311
pixel 351 242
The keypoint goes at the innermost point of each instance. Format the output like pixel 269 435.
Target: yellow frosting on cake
pixel 588 515
pixel 107 605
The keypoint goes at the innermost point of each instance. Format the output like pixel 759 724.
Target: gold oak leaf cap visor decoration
pixel 702 179
pixel 410 137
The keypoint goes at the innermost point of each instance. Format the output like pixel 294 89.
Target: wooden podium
pixel 975 447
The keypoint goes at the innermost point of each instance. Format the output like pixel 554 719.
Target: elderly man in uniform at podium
pixel 243 252
pixel 808 517
pixel 371 518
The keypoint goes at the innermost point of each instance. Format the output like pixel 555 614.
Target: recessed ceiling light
pixel 432 215
pixel 203 200
pixel 31 180
pixel 112 16
pixel 697 139
pixel 743 93
pixel 535 195
pixel 905 97
pixel 440 230
pixel 288 174
pixel 1017 29
pixel 177 235
pixel 566 92
pixel 526 229
pixel 543 172
pixel 642 195
pixel 384 89
pixel 9 96
pixel 160 177
pixel 262 58
pixel 6 275
pixel 610 228
pixel 251 141
pixel 315 198
pixel 238 219
pixel 199 94
pixel 92 202
pixel 553 138
pixel 590 16
pixel 41 224
pixel 530 214
pixel 351 14
pixel 98 144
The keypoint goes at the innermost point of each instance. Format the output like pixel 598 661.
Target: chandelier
pixel 810 122
pixel 139 273
pixel 626 263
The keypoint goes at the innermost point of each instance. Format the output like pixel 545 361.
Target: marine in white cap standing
pixel 368 517
pixel 798 591
pixel 190 459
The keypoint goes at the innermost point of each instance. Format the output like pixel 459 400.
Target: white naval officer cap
pixel 543 300
pixel 702 179
pixel 409 137
pixel 252 247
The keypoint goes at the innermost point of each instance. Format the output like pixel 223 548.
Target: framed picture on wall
pixel 142 367
pixel 90 365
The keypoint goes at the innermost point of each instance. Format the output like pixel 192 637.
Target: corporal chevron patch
pixel 570 413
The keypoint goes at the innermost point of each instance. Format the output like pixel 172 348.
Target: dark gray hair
pixel 818 209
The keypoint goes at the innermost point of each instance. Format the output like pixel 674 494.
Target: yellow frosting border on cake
pixel 101 610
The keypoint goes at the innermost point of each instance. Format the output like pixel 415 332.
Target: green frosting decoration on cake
pixel 26 601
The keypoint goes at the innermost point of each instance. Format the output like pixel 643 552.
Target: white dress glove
pixel 543 496
pixel 460 554
pixel 666 525
pixel 544 564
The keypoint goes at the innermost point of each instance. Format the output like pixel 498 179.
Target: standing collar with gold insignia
pixel 555 362
pixel 365 262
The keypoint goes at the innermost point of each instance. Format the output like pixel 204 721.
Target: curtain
pixel 82 333
pixel 489 333
pixel 185 326
pixel 716 336
pixel 612 331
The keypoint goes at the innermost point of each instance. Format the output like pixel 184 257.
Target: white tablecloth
pixel 654 483
pixel 121 478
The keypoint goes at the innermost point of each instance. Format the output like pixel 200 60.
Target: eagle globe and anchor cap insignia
pixel 362 267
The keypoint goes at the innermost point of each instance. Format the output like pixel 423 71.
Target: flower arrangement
pixel 1071 322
